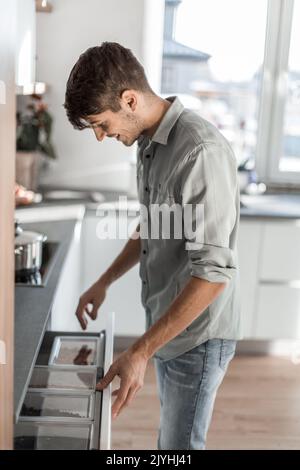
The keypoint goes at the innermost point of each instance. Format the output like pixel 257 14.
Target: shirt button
pixel 146 188
pixel 144 282
pixel 144 251
pixel 148 156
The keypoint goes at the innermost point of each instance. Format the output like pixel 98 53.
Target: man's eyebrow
pixel 99 123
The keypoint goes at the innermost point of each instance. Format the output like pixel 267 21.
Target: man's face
pixel 122 125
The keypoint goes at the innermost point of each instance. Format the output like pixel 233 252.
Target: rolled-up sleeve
pixel 209 186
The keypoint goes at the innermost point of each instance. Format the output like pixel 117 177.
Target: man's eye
pixel 102 126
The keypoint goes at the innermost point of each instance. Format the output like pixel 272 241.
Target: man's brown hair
pixel 98 79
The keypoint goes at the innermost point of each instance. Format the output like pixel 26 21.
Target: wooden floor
pixel 257 407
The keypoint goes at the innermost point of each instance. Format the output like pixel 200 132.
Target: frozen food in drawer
pixel 58 406
pixel 62 378
pixel 75 351
pixel 52 436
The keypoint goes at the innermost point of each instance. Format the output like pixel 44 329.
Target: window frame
pixel 273 94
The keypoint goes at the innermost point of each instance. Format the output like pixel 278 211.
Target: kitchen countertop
pixel 90 205
pixel 274 206
pixel 271 205
pixel 33 306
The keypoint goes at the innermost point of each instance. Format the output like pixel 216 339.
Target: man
pixel 189 284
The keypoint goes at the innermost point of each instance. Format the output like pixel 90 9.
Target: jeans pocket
pixel 227 352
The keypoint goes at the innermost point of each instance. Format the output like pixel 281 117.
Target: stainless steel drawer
pixel 63 378
pixel 58 406
pixel 51 436
pixel 61 408
pixel 69 351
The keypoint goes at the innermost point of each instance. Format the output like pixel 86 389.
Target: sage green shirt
pixel 188 161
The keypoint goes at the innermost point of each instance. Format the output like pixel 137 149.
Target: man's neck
pixel 158 109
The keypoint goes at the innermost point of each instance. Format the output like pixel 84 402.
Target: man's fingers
pixel 80 313
pixel 88 311
pixel 123 401
pixel 132 393
pixel 80 316
pixel 118 403
pixel 105 381
pixel 94 311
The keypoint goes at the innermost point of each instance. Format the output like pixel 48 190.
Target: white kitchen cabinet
pixel 248 252
pixel 124 295
pixel 278 295
pixel 69 287
pixel 278 312
pixel 280 254
pixel 25 43
pixel 269 255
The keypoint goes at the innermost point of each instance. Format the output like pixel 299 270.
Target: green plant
pixel 34 128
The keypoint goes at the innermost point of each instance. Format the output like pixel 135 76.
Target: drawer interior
pixel 58 405
pixel 50 340
pixel 52 436
pixel 61 409
pixel 62 378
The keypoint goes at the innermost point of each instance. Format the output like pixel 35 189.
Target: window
pixel 278 151
pixel 289 158
pixel 241 60
pixel 216 57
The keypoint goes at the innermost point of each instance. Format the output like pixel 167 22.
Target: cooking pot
pixel 28 249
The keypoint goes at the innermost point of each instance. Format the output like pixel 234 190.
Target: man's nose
pixel 99 133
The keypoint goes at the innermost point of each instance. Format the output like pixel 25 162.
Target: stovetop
pixel 39 278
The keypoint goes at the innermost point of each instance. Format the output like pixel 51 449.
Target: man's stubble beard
pixel 137 128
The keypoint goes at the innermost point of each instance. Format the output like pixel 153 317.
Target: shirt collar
pixel 168 121
pixel 166 124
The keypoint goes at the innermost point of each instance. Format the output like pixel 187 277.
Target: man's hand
pixel 95 296
pixel 130 367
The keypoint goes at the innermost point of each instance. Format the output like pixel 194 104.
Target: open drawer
pixel 62 409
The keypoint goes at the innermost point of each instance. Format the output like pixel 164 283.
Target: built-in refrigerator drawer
pixel 63 378
pixel 61 407
pixel 41 435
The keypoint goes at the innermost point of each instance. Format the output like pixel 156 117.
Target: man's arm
pixel 131 365
pixel 95 295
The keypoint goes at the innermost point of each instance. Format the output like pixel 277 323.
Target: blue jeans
pixel 187 388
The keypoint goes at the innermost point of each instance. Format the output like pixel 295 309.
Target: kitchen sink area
pixel 286 205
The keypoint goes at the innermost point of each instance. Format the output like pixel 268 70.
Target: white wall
pixel 72 27
pixel 25 42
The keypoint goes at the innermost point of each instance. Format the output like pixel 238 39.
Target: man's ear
pixel 129 99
